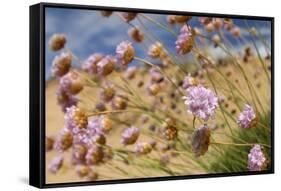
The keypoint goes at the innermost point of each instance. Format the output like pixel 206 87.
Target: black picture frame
pixel 37 95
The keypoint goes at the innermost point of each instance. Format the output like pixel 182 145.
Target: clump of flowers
pixel 200 140
pixel 185 40
pixel 247 118
pixel 256 159
pixel 61 64
pixel 130 135
pixel 125 53
pixel 57 42
pixel 201 102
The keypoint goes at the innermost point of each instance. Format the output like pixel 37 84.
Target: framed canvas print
pixel 127 95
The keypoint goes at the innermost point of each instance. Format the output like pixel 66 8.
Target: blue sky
pixel 88 32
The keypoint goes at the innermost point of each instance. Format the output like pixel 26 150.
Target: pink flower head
pixel 130 136
pixel 247 118
pixel 201 102
pixel 90 65
pixel 185 40
pixel 256 159
pixel 64 140
pixel 75 117
pixel 125 53
pixel 189 81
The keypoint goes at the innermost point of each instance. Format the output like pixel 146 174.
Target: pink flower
pixel 61 64
pixel 130 136
pixel 55 164
pixel 90 65
pixel 247 118
pixel 201 102
pixel 125 53
pixel 185 40
pixel 256 159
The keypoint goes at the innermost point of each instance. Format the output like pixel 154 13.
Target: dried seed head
pixel 130 136
pixel 82 170
pixel 106 13
pixel 209 27
pixel 119 102
pixel 216 40
pixel 235 32
pixel 155 50
pixel 200 140
pixel 217 23
pixel 143 148
pixel 57 42
pixel 125 53
pixel 106 65
pixel 105 124
pixel 61 64
pixel 182 18
pixel 78 154
pixel 153 89
pixel 136 34
pixel 128 16
pixel 49 142
pixel 71 83
pixel 94 155
pixel 107 93
pixel 64 140
pixel 76 117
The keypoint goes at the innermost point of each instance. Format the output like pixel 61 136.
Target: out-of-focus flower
pixel 185 40
pixel 61 64
pixel 65 100
pixel 256 159
pixel 90 65
pixel 228 24
pixel 92 176
pixel 128 16
pixel 106 13
pixel 130 72
pixel 119 102
pixel 155 75
pixel 217 23
pixel 106 65
pixel 216 40
pixel 105 124
pixel 107 92
pixel 171 19
pixel 235 32
pixel 170 130
pixel 82 170
pixel 205 20
pixel 153 89
pixel 100 106
pixel 209 27
pixel 200 140
pixel 247 118
pixel 180 19
pixel 143 148
pixel 75 117
pixel 136 34
pixel 49 142
pixel 94 155
pixel 130 136
pixel 197 31
pixel 64 140
pixel 248 51
pixel 189 81
pixel 71 83
pixel 201 102
pixel 125 53
pixel 57 42
pixel 165 159
pixel 98 138
pixel 100 125
pixel 78 154
pixel 55 164
pixel 155 50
